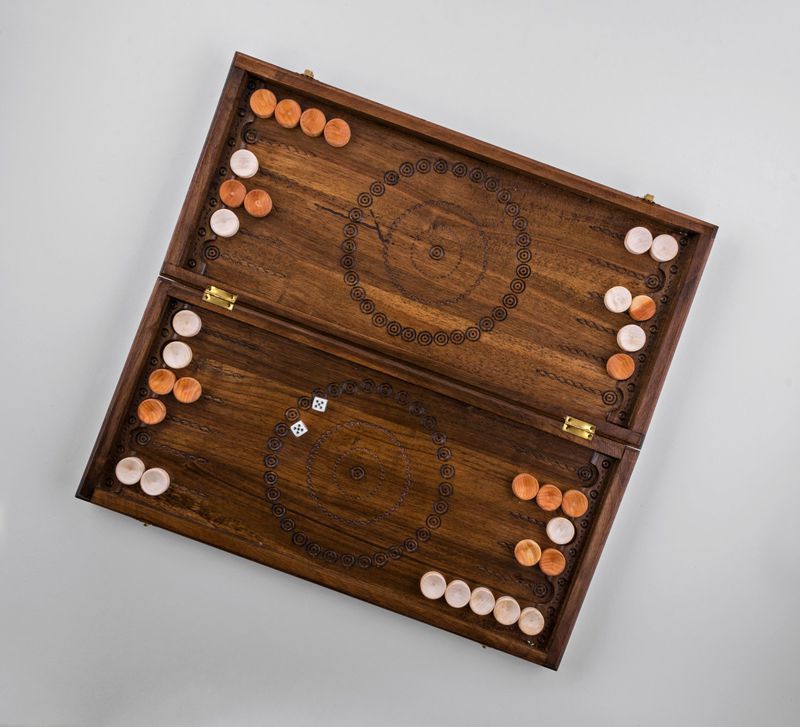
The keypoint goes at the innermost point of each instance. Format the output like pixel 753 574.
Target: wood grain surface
pixel 447 298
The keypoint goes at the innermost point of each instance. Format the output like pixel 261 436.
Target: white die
pixel 298 428
pixel 319 404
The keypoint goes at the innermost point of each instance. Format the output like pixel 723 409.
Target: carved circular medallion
pixel 436 252
pixel 365 478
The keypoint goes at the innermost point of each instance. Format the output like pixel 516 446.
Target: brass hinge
pixel 649 198
pixel 579 428
pixel 308 73
pixel 219 297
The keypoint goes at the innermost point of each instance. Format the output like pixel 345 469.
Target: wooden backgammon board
pixel 397 361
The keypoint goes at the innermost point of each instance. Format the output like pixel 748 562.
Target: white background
pixel 692 617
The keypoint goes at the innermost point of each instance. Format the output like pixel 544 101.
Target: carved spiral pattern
pixel 357 472
pixel 408 334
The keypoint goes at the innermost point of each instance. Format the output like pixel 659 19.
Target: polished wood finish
pixel 232 192
pixel 187 390
pixel 525 486
pixel 258 203
pixel 312 122
pixel 376 227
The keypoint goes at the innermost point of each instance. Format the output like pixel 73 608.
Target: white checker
pixel 319 404
pixel 631 338
pixel 244 163
pixel 665 248
pixel 224 223
pixel 617 299
pixel 432 584
pixel 560 530
pixel 638 240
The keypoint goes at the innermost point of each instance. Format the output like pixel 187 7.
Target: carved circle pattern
pixel 421 255
pixel 360 464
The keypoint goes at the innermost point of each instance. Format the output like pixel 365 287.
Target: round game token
pixel 638 240
pixel 224 223
pixel 287 113
pixel 337 132
pixel 186 323
pixel 617 299
pixel 527 552
pixel 155 481
pixel 506 611
pixel 232 192
pixel 244 163
pixel 151 411
pixel 620 366
pixel 643 308
pixel 548 498
pixel 553 562
pixel 525 486
pixel 575 503
pixel 262 103
pixel 177 355
pixel 187 390
pixel 560 530
pixel 665 248
pixel 258 203
pixel 457 594
pixel 432 584
pixel 312 122
pixel 129 470
pixel 481 601
pixel 161 381
pixel 631 337
pixel 531 621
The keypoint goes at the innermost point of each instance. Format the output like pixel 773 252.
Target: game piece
pixel 224 223
pixel 643 308
pixel 287 113
pixel 232 192
pixel 631 338
pixel 481 601
pixel 129 470
pixel 432 585
pixel 620 366
pixel 312 122
pixel 186 323
pixel 531 621
pixel 337 132
pixel 552 562
pixel 155 481
pixel 506 611
pixel 560 530
pixel 187 390
pixel 638 240
pixel 664 249
pixel 574 503
pixel 527 552
pixel 457 594
pixel 258 203
pixel 617 299
pixel 161 381
pixel 244 163
pixel 151 411
pixel 177 355
pixel 263 102
pixel 548 498
pixel 525 486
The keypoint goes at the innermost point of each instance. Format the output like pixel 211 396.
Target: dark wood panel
pixel 392 480
pixel 459 258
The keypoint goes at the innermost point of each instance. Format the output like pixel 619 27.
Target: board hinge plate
pixel 579 428
pixel 219 297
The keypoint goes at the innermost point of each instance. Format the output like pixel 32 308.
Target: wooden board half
pixel 392 480
pixel 439 250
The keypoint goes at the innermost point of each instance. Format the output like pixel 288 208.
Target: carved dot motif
pixel 371 473
pixel 485 324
